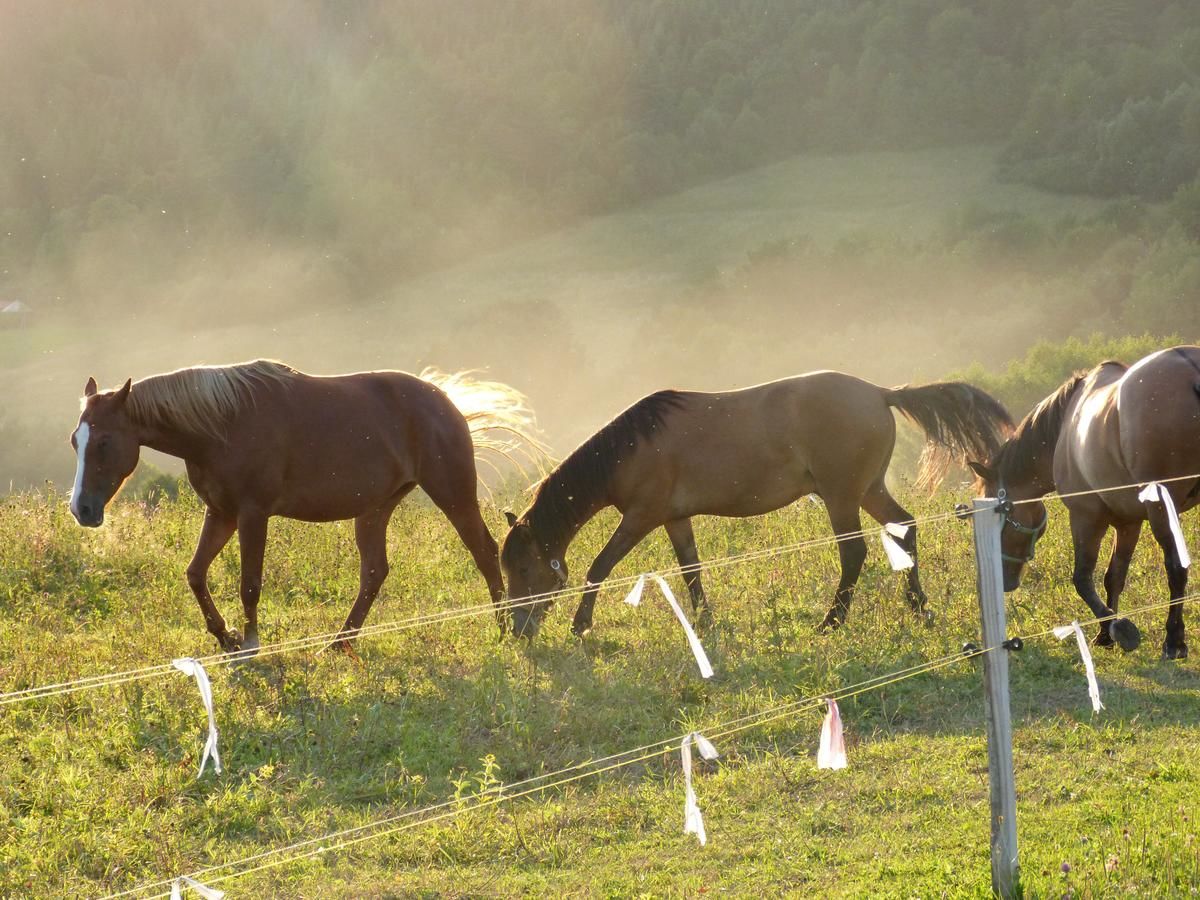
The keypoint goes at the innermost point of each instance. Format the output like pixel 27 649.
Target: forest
pixel 383 139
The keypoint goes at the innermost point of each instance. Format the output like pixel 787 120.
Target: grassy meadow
pixel 99 794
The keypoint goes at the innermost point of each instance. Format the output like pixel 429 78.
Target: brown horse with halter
pixel 1115 425
pixel 678 454
pixel 261 439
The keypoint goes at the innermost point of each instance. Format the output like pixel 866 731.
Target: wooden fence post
pixel 990 582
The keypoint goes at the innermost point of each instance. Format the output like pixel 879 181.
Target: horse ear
pixel 90 389
pixel 123 394
pixel 512 520
pixel 984 472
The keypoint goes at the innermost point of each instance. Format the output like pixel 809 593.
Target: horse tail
pixel 498 416
pixel 960 421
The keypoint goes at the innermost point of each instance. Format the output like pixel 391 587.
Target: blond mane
pixel 201 399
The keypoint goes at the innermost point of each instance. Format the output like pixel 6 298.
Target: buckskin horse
pixel 1115 425
pixel 261 439
pixel 677 454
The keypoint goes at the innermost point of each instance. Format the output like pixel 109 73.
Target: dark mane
pixel 569 494
pixel 1038 432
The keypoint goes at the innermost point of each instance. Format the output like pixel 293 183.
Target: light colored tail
pixel 499 417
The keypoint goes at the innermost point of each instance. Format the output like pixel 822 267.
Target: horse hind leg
pixel 683 540
pixel 1087 533
pixel 853 552
pixel 882 507
pixel 1114 577
pixel 370 534
pixel 452 489
pixel 1175 642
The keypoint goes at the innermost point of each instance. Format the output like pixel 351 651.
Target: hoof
pixel 342 645
pixel 581 629
pixel 232 641
pixel 705 617
pixel 1103 638
pixel 925 617
pixel 1179 651
pixel 829 623
pixel 1125 633
pixel 248 648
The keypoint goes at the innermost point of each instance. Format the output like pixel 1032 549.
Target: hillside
pixel 588 318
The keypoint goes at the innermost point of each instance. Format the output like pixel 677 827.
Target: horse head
pixel 1025 518
pixel 106 450
pixel 532 577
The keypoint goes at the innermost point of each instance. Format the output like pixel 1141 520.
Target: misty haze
pixel 587 201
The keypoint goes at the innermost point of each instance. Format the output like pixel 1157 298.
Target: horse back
pixel 324 448
pixel 1133 425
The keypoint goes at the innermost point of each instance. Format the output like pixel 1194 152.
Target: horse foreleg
pixel 1087 533
pixel 1175 644
pixel 1118 569
pixel 684 542
pixel 627 536
pixel 886 511
pixel 252 541
pixel 853 553
pixel 370 534
pixel 452 489
pixel 214 535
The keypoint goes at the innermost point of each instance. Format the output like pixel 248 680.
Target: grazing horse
pixel 261 439
pixel 678 454
pixel 1114 425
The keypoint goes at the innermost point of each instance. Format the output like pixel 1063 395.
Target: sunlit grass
pixel 98 791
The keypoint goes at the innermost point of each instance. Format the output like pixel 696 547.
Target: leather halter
pixel 1009 522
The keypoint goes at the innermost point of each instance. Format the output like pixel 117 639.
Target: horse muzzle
pixel 88 511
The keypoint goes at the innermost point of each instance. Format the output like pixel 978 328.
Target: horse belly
pixel 328 484
pixel 750 490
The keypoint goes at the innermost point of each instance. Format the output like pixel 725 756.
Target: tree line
pixel 396 136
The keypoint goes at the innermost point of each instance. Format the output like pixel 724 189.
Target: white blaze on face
pixel 81 440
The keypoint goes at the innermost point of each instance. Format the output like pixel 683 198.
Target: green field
pixel 98 792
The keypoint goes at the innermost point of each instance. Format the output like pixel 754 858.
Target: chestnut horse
pixel 1114 425
pixel 678 454
pixel 261 439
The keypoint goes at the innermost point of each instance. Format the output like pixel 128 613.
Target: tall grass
pixel 98 791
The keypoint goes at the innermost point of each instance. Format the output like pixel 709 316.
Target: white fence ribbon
pixel 897 556
pixel 1156 493
pixel 189 666
pixel 634 597
pixel 832 752
pixel 706 669
pixel 693 821
pixel 203 890
pixel 1065 631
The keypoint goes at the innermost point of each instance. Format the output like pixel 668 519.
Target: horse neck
pixel 555 522
pixel 172 441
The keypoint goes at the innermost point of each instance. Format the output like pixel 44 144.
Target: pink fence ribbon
pixel 832 752
pixel 1065 631
pixel 897 556
pixel 693 821
pixel 1156 493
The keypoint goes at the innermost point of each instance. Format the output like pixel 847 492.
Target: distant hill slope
pixel 817 261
